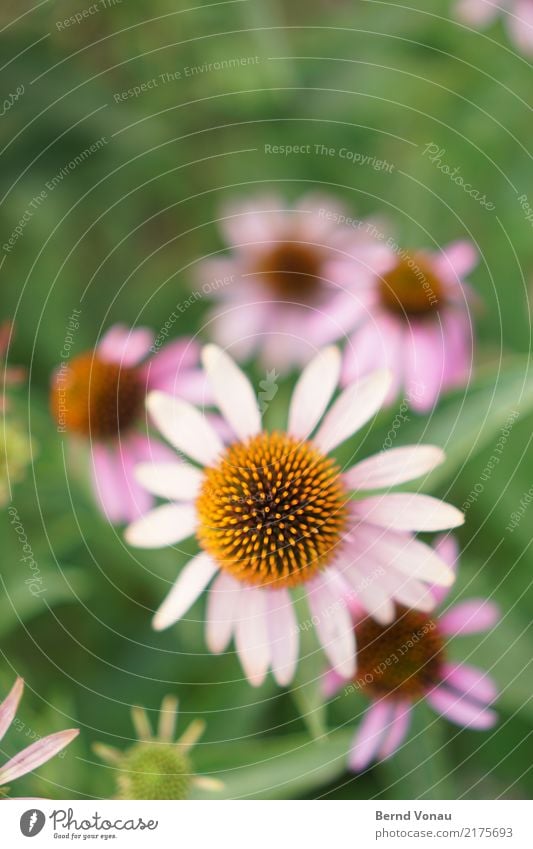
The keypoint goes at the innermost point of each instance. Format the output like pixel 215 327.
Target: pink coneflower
pixel 99 395
pixel 405 661
pixel 277 289
pixel 417 322
pixel 518 18
pixel 272 512
pixel 35 755
pixel 10 375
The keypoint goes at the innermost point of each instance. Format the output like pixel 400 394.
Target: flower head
pixel 99 396
pixel 407 660
pixel 518 16
pixel 278 289
pixel 417 322
pixel 157 767
pixel 273 511
pixel 35 755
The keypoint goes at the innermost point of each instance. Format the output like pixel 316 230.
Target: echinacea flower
pixel 271 512
pixel 32 756
pixel 99 396
pixel 158 767
pixel 417 322
pixel 277 289
pixel 518 18
pixel 406 661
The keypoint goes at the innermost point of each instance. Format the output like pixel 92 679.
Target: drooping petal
pixel 35 755
pixel 222 612
pixel 283 633
pixel 457 259
pixel 520 25
pixel 474 683
pixel 447 548
pixel 175 481
pixel 390 468
pixel 313 392
pixel 352 409
pixel 370 735
pixel 424 364
pixel 9 706
pixel 107 482
pixel 191 582
pixel 166 525
pixel 165 367
pixel 408 512
pixel 124 345
pixel 376 599
pixel 332 683
pixel 333 623
pixel 404 553
pixel 470 617
pixel 233 392
pixel 460 710
pixel 251 635
pixel 397 731
pixel 184 427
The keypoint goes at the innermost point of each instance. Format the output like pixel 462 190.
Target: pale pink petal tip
pixel 36 755
pixel 470 617
pixel 461 710
pixel 9 706
pixel 370 736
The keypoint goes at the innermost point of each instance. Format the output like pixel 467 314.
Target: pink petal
pixel 283 633
pixel 395 466
pixel 458 343
pixel 313 392
pixel 375 598
pixel 191 582
pixel 251 635
pixel 124 345
pixel 470 617
pixel 520 25
pixel 222 612
pixel 36 755
pixel 9 706
pixel 137 501
pixel 397 731
pixel 238 328
pixel 253 221
pixel 332 682
pixel 333 625
pixel 424 364
pixel 354 407
pixel 474 683
pixel 233 392
pixel 378 344
pixel 108 482
pixel 459 710
pixel 447 548
pixel 408 512
pixel 456 261
pixel 370 736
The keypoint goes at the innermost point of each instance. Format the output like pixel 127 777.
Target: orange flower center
pixel 411 288
pixel 272 510
pixel 96 398
pixel 403 659
pixel 292 271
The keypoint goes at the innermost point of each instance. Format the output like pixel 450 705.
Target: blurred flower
pixel 405 661
pixel 157 767
pixel 416 323
pixel 518 18
pixel 100 395
pixel 277 289
pixel 11 375
pixel 15 455
pixel 271 512
pixel 35 755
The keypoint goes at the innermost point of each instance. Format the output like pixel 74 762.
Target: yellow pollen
pixel 272 511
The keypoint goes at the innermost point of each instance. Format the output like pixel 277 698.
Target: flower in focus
pixel 406 660
pixel 417 322
pixel 518 18
pixel 277 289
pixel 35 755
pixel 272 512
pixel 99 396
pixel 11 375
pixel 158 767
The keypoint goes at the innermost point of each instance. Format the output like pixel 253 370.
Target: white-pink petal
pixel 175 481
pixel 191 582
pixel 408 512
pixel 184 427
pixel 474 683
pixel 9 706
pixel 251 635
pixel 222 612
pixel 232 391
pixel 333 623
pixel 352 409
pixel 390 468
pixel 313 392
pixel 283 633
pixel 166 525
pixel 370 735
pixel 36 755
pixel 470 617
